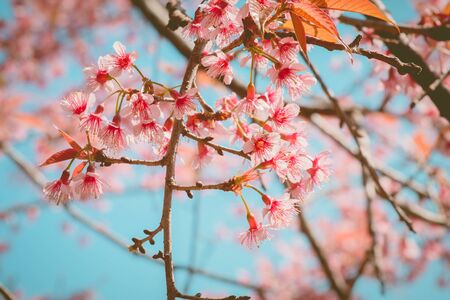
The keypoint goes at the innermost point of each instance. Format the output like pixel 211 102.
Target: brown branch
pixel 363 151
pixel 177 15
pixel 105 160
pixel 220 149
pixel 337 283
pixel 374 250
pixel 438 33
pixel 223 186
pixel 7 295
pixel 402 67
pixel 400 47
pixel 411 209
pixel 38 179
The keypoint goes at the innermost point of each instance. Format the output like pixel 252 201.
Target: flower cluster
pixel 264 126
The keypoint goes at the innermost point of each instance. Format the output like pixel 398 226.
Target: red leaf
pixel 70 140
pixel 78 169
pixel 60 156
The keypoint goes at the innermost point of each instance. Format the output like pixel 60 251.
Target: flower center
pixel 102 76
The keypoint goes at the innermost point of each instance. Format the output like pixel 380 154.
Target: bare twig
pixel 218 148
pixel 7 295
pixel 336 281
pixel 362 153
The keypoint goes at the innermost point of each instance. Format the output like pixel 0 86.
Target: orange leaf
pixel 313 31
pixel 78 169
pixel 316 16
pixel 70 140
pixel 299 32
pixel 60 156
pixel 319 33
pixel 365 7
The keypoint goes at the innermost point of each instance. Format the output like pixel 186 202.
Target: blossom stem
pixel 251 68
pixel 117 102
pixel 118 83
pixel 247 209
pixel 255 189
pixel 70 164
pixel 139 71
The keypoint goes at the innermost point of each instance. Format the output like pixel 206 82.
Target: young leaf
pixel 316 16
pixel 69 140
pixel 60 156
pixel 313 31
pixel 365 7
pixel 299 32
pixel 78 169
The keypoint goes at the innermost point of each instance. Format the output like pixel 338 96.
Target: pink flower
pixel 282 116
pixel 228 103
pixel 225 33
pixel 184 104
pixel 77 102
pixel 89 185
pixel 219 66
pixel 98 76
pixel 141 107
pixel 296 140
pixel 195 29
pixel 286 75
pixel 148 132
pixel 218 12
pixel 296 164
pixel 320 170
pixel 280 211
pixel 59 191
pixel 262 146
pixel 286 49
pixel 299 190
pixel 255 234
pixel 93 121
pixel 121 61
pixel 252 104
pixel 114 136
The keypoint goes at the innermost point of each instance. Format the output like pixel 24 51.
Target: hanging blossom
pixel 89 185
pixel 255 234
pixel 116 135
pixel 184 104
pixel 218 66
pixel 285 75
pixel 280 211
pixel 320 170
pixel 59 191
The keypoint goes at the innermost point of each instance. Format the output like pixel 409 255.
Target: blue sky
pixel 42 260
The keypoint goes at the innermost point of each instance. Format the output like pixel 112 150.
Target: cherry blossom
pixel 184 104
pixel 262 146
pixel 97 76
pixel 286 75
pixel 88 185
pixel 280 211
pixel 218 65
pixel 121 61
pixel 59 191
pixel 76 103
pixel 255 234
